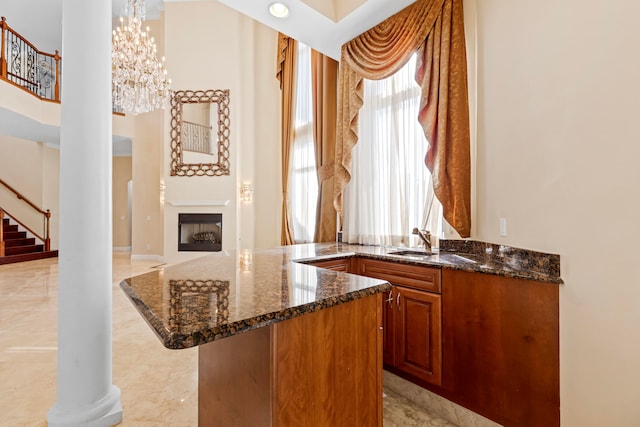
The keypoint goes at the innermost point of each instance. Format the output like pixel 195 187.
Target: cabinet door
pixel 418 337
pixel 501 348
pixel 388 329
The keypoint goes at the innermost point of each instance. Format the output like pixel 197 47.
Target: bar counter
pixel 280 343
pixel 217 296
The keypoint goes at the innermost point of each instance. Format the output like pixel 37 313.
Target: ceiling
pixel 40 21
pixel 324 25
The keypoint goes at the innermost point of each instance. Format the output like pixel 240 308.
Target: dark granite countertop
pixel 465 255
pixel 220 295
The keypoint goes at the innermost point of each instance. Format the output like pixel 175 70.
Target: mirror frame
pixel 212 96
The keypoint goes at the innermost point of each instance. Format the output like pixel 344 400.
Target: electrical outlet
pixel 503 227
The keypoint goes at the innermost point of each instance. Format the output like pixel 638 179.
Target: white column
pixel 85 395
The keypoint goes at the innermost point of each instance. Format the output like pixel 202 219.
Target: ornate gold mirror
pixel 200 133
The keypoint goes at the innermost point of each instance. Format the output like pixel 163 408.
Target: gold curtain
pixel 435 29
pixel 324 76
pixel 285 73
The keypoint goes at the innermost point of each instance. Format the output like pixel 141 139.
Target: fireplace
pixel 200 232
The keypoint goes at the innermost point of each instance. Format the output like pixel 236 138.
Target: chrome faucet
pixel 425 236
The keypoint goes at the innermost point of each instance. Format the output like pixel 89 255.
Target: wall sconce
pixel 246 192
pixel 162 189
pixel 246 261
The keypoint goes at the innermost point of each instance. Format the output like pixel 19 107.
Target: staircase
pixel 18 247
pixel 15 246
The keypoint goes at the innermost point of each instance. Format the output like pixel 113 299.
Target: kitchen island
pixel 280 343
pixel 287 336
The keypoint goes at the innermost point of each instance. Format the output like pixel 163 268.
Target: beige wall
pixel 236 54
pixel 33 169
pixel 22 102
pixel 147 163
pixel 21 167
pixel 265 147
pixel 120 182
pixel 147 217
pixel 336 9
pixel 558 150
pixel 51 188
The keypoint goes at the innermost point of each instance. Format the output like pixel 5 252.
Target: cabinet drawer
pixel 339 264
pixel 413 276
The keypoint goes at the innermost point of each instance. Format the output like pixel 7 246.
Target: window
pixel 390 191
pixel 303 181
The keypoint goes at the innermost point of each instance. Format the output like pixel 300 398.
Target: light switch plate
pixel 503 227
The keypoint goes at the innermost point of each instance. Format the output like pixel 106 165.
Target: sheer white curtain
pixel 390 191
pixel 303 181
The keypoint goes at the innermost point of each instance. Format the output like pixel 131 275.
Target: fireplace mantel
pixel 198 202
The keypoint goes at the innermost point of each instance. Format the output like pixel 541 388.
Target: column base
pixel 104 413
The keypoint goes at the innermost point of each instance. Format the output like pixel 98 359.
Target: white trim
pixel 103 413
pixel 198 202
pixel 141 257
pixel 122 249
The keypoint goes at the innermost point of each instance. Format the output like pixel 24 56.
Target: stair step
pixel 27 257
pixel 26 241
pixel 10 228
pixel 23 249
pixel 15 235
pixel 5 221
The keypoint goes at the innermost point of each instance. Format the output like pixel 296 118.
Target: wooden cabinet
pixel 501 347
pixel 487 342
pixel 336 264
pixel 412 338
pixel 319 369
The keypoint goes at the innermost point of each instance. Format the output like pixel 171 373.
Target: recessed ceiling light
pixel 279 10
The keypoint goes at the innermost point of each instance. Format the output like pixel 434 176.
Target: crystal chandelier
pixel 140 81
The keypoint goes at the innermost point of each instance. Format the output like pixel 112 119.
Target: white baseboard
pixel 122 248
pixel 145 257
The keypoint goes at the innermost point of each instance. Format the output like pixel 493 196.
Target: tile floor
pixel 159 386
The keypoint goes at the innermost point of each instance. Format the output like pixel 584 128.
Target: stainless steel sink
pixel 446 257
pixel 409 252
